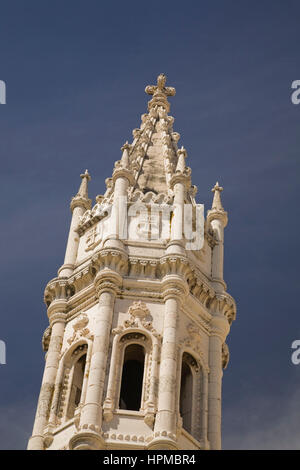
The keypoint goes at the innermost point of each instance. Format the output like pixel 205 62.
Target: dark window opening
pixel 186 396
pixel 132 378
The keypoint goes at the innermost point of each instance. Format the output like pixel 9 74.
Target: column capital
pixel 219 326
pixel 107 280
pixel 57 317
pixel 57 310
pixel 173 286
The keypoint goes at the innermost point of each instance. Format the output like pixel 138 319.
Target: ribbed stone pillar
pixel 218 250
pixel 72 244
pixel 166 418
pixel 218 220
pixel 220 329
pixel 79 204
pixel 36 442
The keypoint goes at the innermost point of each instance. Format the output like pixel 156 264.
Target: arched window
pixel 186 393
pixel 132 378
pixel 76 387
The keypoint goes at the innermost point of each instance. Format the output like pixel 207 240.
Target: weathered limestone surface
pixel 143 296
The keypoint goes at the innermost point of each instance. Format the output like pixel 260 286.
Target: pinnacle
pixel 160 93
pixel 82 198
pixel 217 204
pixel 85 175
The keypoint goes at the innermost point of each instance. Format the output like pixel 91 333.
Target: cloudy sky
pixel 75 75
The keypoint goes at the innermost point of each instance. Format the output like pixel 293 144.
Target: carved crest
pixel 80 330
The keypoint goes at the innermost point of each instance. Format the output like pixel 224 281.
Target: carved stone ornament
pixel 138 309
pixel 193 341
pixel 138 312
pixel 46 338
pixel 80 330
pixel 225 355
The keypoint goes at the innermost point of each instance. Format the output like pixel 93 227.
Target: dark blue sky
pixel 75 75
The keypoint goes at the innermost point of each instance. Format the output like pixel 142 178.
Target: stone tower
pixel 139 313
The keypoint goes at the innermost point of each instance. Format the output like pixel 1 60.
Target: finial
pixel 160 93
pixel 217 187
pixel 125 156
pixel 82 197
pixel 217 204
pixel 125 146
pixel 86 175
pixel 182 154
pixel 83 189
pixel 182 151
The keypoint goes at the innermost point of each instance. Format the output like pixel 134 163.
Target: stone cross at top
pixel 160 93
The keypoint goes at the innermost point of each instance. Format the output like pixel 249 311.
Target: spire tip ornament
pixel 86 175
pixel 160 93
pixel 217 187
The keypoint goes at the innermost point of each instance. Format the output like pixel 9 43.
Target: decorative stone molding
pixel 135 330
pixel 80 330
pixel 69 357
pixel 193 343
pixel 46 338
pixel 138 313
pixel 225 355
pixel 224 305
pixel 138 309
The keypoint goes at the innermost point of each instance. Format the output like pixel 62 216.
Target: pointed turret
pixel 79 204
pixel 82 199
pixel 217 204
pixel 217 218
pixel 217 211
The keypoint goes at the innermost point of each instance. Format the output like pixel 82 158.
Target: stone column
pixel 36 442
pixel 166 418
pixel 56 395
pixel 219 331
pixel 218 250
pixel 79 204
pixel 179 183
pixel 91 415
pixel 204 410
pixel 177 222
pixel 109 403
pixel 122 177
pixel 72 244
pixel 217 218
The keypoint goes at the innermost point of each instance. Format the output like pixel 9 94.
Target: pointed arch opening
pixel 132 378
pixel 77 384
pixel 186 393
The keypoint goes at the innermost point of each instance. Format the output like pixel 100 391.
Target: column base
pixel 163 443
pixel 87 441
pixel 36 443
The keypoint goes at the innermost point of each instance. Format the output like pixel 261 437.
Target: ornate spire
pixel 217 204
pixel 182 154
pixel 125 156
pixel 82 198
pixel 217 211
pixel 160 93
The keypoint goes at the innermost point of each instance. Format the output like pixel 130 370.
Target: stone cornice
pixel 113 270
pixel 79 201
pixel 183 177
pixel 120 172
pixel 217 214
